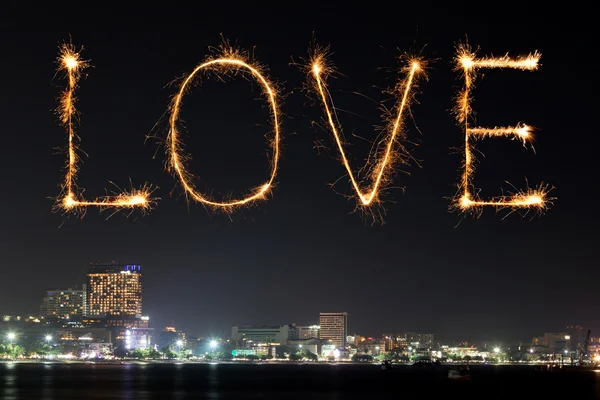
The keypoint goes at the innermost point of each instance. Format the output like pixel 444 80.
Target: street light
pixel 11 336
pixel 496 349
pixel 48 338
pixel 213 344
pixel 179 343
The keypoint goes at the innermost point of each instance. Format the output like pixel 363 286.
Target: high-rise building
pixel 334 328
pixel 576 335
pixel 419 340
pixel 114 289
pixel 267 335
pixel 64 304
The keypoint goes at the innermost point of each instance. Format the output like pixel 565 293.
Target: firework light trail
pixel 230 61
pixel 467 199
pixel 71 199
pixel 389 149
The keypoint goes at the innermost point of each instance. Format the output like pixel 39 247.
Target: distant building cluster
pixel 101 315
pixel 104 318
pixel 328 340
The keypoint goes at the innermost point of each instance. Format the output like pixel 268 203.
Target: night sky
pixel 304 250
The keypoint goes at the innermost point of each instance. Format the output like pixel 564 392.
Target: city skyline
pixel 333 326
pixel 304 250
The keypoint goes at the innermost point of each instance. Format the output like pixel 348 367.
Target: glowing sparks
pixel 390 148
pixel 522 132
pixel 230 61
pixel 467 199
pixel 71 200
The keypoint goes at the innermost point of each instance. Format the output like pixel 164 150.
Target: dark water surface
pixel 286 381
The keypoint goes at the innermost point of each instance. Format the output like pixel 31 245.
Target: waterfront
pixel 48 381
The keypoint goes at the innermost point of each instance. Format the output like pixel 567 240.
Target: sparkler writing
pixel 467 199
pixel 230 61
pixel 386 153
pixel 71 199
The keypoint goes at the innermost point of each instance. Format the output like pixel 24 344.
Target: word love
pixel 387 153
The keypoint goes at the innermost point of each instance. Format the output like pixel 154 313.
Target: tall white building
pixel 334 328
pixel 64 304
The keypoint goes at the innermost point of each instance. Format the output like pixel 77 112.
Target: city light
pixel 213 343
pixel 48 338
pixel 179 343
pixel 496 349
pixel 11 336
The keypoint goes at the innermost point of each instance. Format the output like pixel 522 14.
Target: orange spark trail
pixel 70 61
pixel 385 162
pixel 467 199
pixel 230 61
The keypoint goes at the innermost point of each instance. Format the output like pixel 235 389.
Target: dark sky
pixel 304 250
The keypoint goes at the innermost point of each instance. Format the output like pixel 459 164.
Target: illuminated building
pixel 555 341
pixel 372 346
pixel 309 332
pixel 114 289
pixel 64 304
pixel 395 342
pixel 304 331
pixel 334 328
pixel 576 335
pixel 419 340
pixel 170 336
pixel 135 338
pixel 257 351
pixel 76 335
pixel 357 340
pixel 251 336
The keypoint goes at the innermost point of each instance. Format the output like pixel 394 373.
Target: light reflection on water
pixel 129 381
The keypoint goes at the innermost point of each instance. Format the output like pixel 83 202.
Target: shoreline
pixel 199 362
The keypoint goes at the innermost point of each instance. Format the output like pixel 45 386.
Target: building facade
pixel 114 289
pixel 554 341
pixel 304 331
pixel 169 337
pixel 372 346
pixel 251 336
pixel 64 304
pixel 334 328
pixel 419 340
pixel 309 332
pixel 395 342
